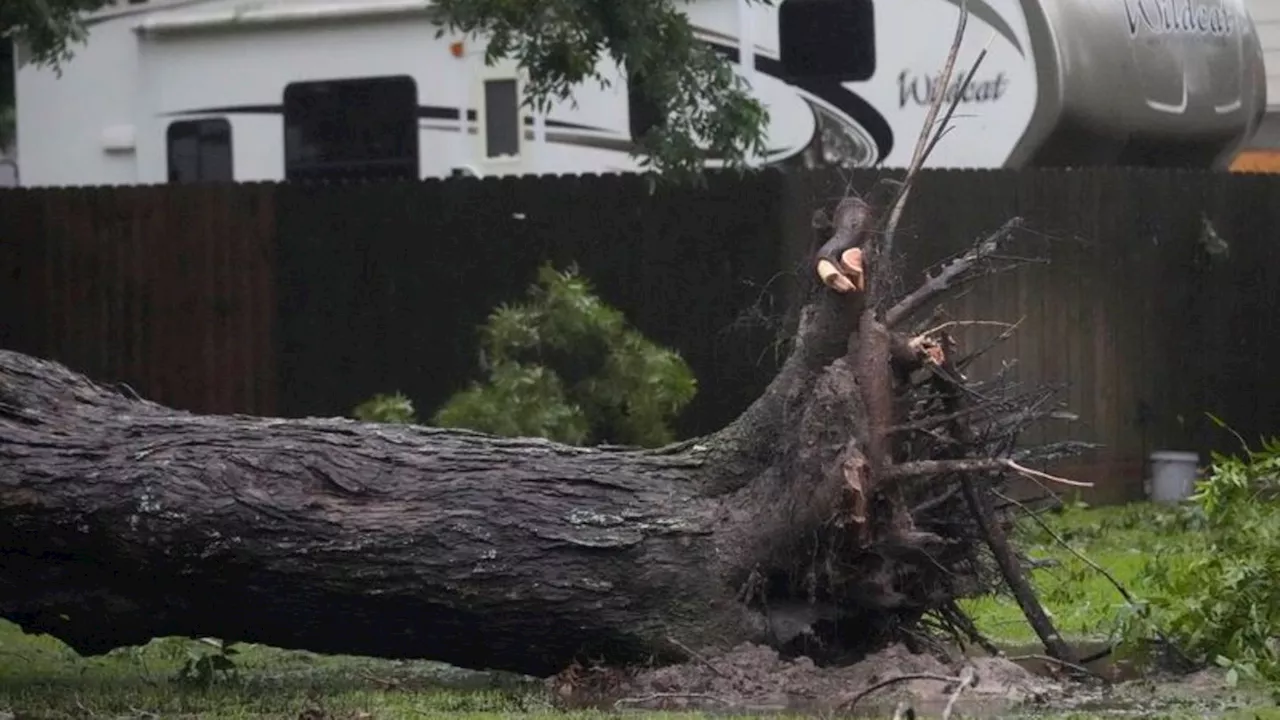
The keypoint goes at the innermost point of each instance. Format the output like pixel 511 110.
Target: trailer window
pixel 828 39
pixel 644 114
pixel 199 151
pixel 501 118
pixel 364 128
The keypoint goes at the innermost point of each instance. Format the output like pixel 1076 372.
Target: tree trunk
pixel 123 520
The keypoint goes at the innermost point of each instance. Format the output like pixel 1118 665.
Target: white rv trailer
pixel 217 90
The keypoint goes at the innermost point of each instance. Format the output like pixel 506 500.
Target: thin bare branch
pixel 969 323
pixel 965 361
pixel 953 273
pixel 967 678
pixel 1022 469
pixel 922 142
pixel 955 101
pixel 921 468
pixel 697 656
pixel 1055 661
pixel 848 704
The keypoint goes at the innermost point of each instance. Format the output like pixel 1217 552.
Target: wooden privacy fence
pixel 1154 309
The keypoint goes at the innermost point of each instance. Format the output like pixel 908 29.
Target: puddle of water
pixel 1105 665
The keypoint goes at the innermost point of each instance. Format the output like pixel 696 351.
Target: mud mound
pixel 754 677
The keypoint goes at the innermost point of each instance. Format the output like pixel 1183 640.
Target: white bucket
pixel 1173 475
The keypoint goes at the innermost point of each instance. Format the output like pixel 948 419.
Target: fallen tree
pixel 849 501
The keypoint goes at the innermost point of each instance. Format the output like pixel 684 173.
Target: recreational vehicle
pixel 216 90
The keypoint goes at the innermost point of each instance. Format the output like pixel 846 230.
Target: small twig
pixel 1056 661
pixel 696 656
pixel 919 468
pixel 968 359
pixel 668 695
pixel 966 679
pixel 1098 655
pixel 1045 476
pixel 951 274
pixel 848 704
pixel 966 625
pixel 955 101
pixel 932 421
pixel 935 501
pixel 967 323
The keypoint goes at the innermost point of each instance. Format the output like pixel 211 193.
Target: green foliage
pixel 381 408
pixel 202 667
pixel 518 400
pixel 46 28
pixel 41 678
pixel 568 367
pixel 708 109
pixel 1222 604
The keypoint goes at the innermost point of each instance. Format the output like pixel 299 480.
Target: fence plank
pixel 145 286
pixel 305 300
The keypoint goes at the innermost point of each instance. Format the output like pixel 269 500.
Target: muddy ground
pixel 752 678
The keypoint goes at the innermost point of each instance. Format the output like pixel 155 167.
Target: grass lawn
pixel 41 678
pixel 1083 604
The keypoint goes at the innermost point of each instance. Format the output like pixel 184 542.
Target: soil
pixel 754 678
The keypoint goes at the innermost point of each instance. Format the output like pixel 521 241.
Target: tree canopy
pixel 48 29
pixel 707 108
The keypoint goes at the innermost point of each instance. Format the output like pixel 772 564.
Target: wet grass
pixel 41 678
pixel 1083 603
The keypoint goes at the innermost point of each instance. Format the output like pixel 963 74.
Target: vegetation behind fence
pixel 1154 306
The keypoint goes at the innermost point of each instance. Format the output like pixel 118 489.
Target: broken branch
pixel 839 260
pixel 967 678
pixel 848 704
pixel 920 468
pixel 953 273
pixel 980 506
pixel 922 142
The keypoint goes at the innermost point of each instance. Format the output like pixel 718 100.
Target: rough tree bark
pixel 837 491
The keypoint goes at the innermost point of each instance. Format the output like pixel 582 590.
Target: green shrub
pixel 382 408
pixel 563 365
pixel 1221 603
pixel 518 400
